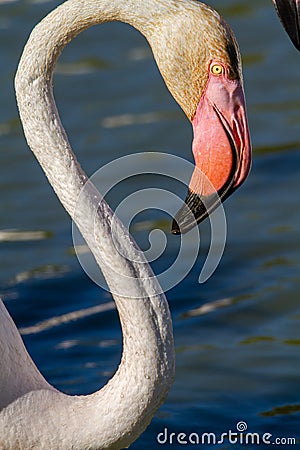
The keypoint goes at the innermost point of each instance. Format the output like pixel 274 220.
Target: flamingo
pixel 289 14
pixel 198 57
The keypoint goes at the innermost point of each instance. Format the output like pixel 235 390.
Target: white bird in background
pixel 199 60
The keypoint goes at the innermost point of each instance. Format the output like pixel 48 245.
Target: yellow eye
pixel 216 69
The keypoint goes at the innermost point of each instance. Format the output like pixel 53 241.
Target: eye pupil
pixel 217 69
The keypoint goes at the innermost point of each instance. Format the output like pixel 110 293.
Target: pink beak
pixel 221 148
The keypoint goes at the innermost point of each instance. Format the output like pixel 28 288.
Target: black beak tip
pixel 175 228
pixel 289 15
pixel 296 42
pixel 190 214
pixel 194 210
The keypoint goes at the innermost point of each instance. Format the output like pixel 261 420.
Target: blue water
pixel 240 361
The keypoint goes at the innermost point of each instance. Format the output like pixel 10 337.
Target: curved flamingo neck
pixel 119 412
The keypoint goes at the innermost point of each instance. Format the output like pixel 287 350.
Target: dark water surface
pixel 236 361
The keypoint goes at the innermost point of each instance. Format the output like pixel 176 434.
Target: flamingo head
pixel 202 69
